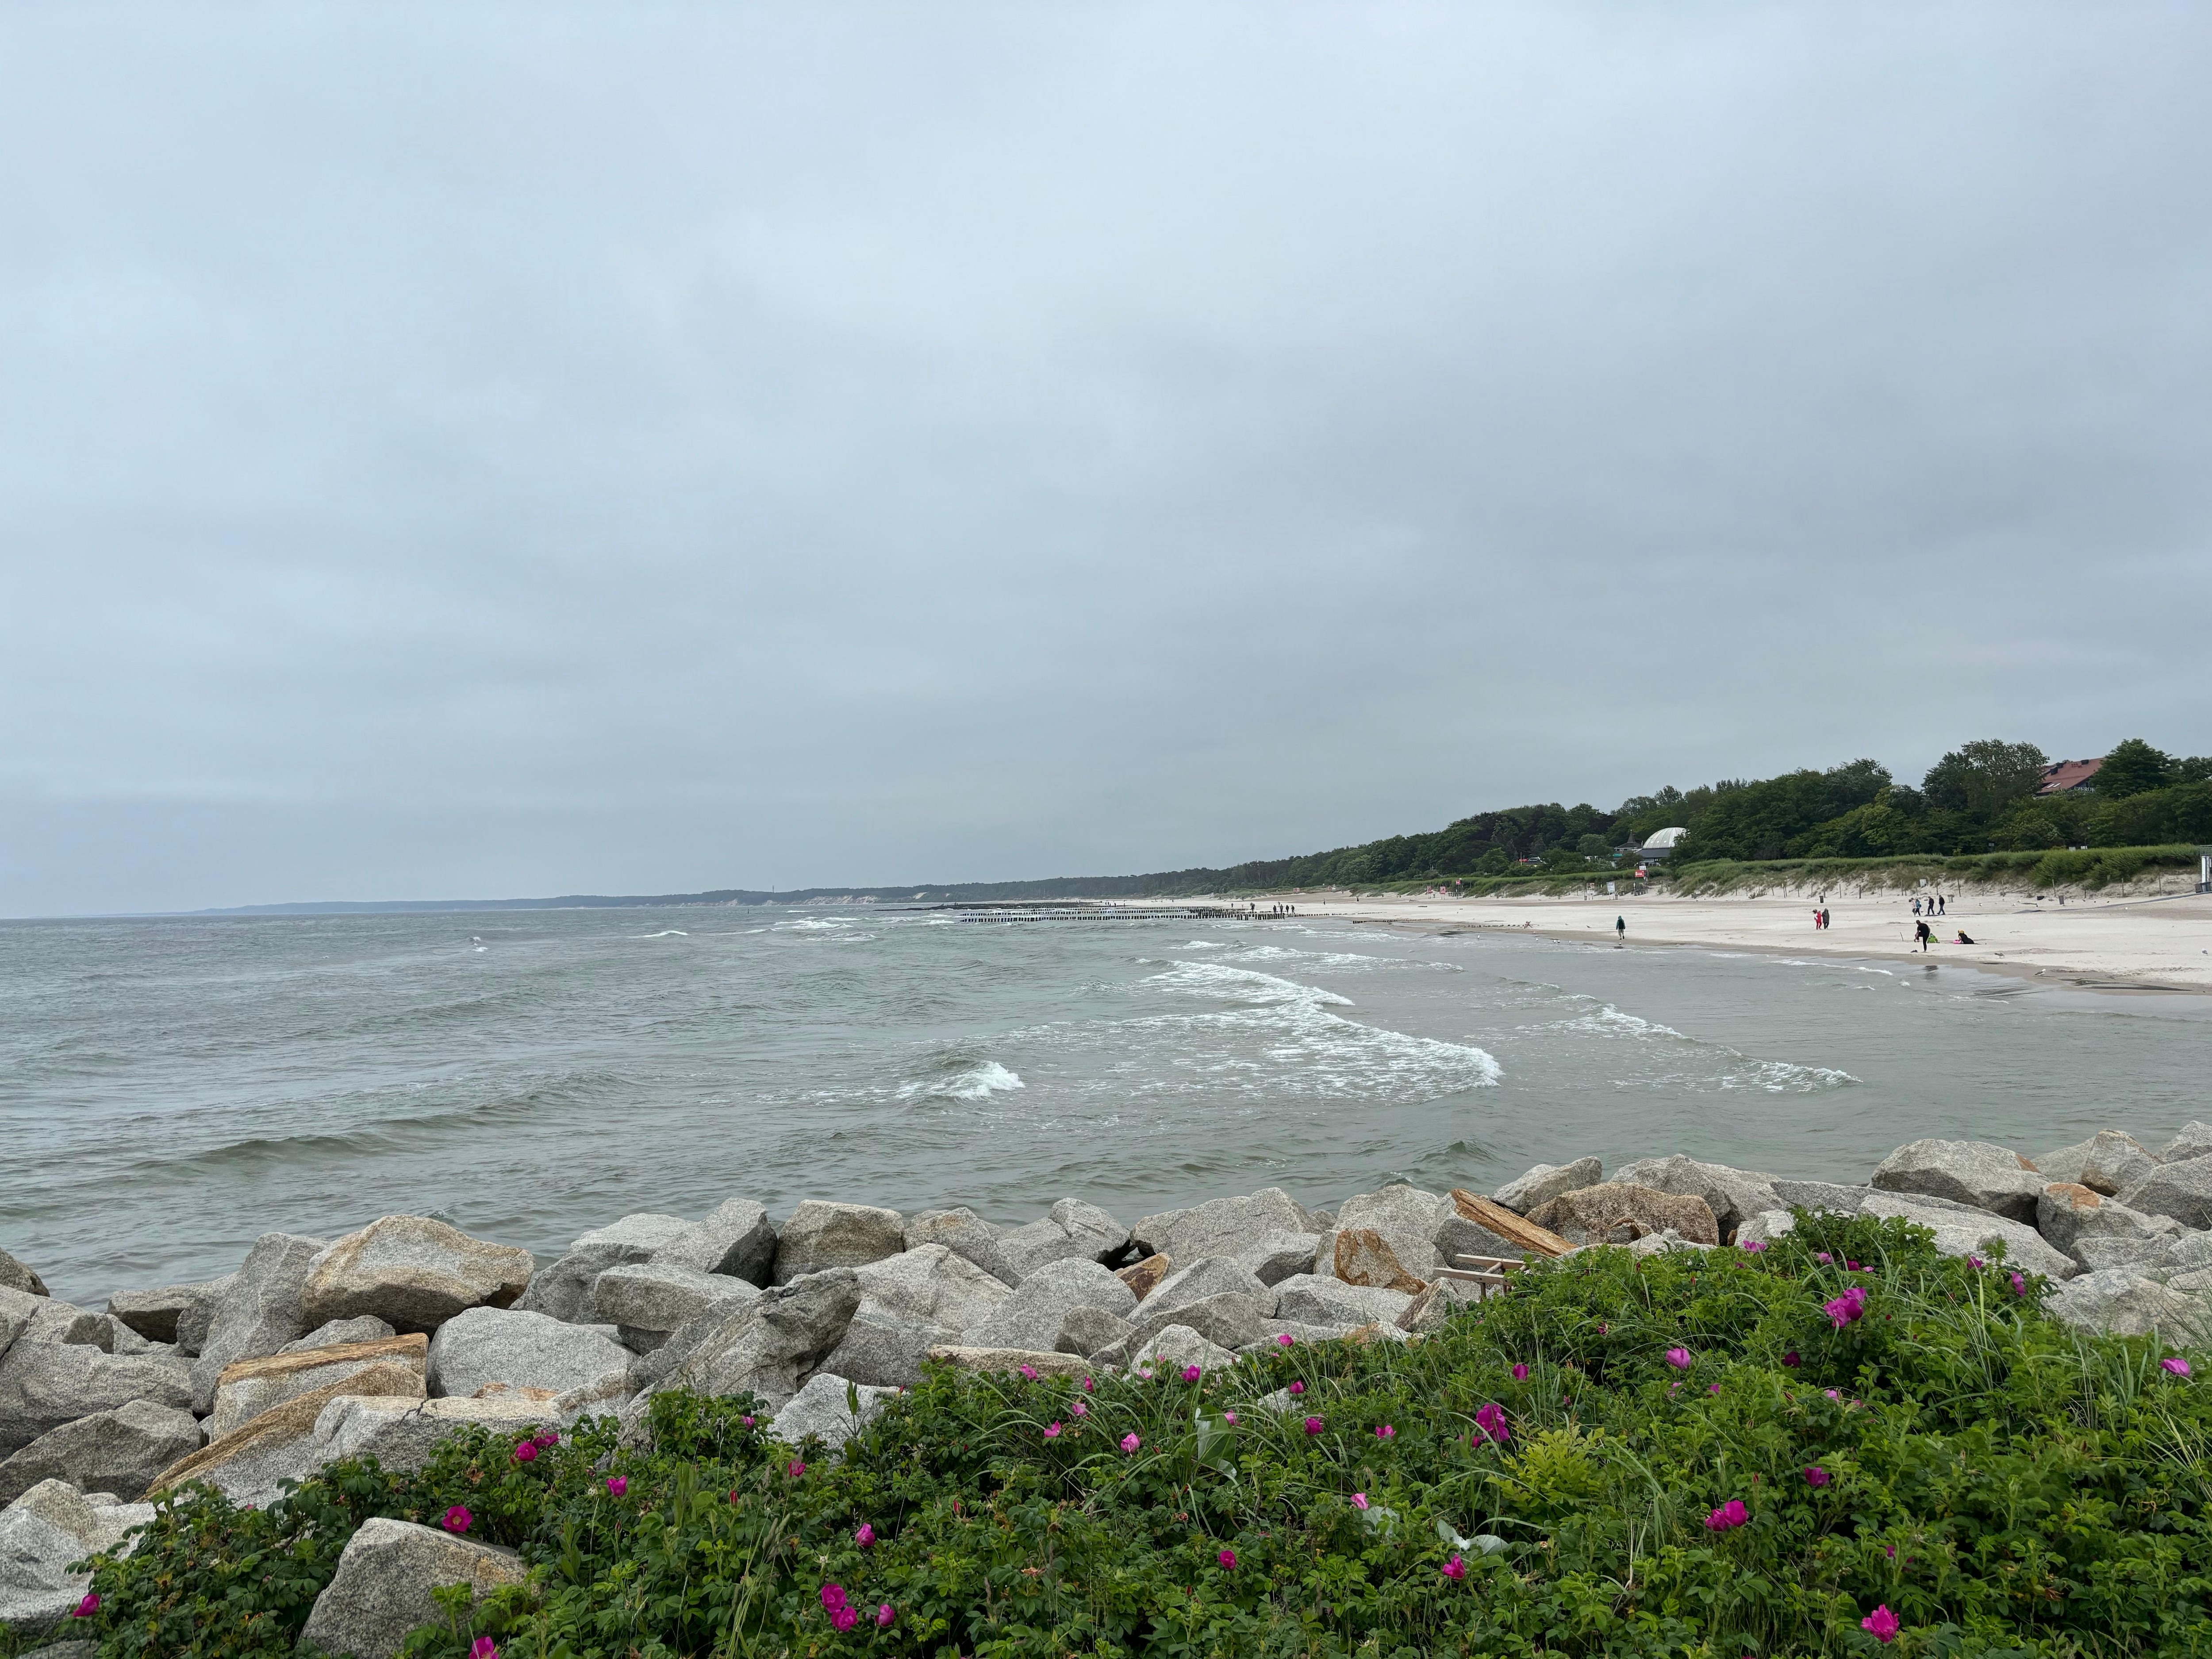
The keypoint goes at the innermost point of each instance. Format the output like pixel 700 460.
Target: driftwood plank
pixel 1497 1218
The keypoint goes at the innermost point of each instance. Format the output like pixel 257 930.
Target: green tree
pixel 1984 779
pixel 2133 767
pixel 1594 846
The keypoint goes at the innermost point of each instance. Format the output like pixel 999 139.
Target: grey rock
pixel 1271 1340
pixel 195 1315
pixel 1766 1227
pixel 1002 1361
pixel 967 1236
pixel 1967 1230
pixel 118 1451
pixel 1666 1243
pixel 1428 1311
pixel 1733 1195
pixel 1071 1231
pixel 1221 1226
pixel 1618 1212
pixel 1546 1181
pixel 824 1408
pixel 738 1241
pixel 822 1235
pixel 1456 1237
pixel 251 1387
pixel 2116 1162
pixel 1168 1352
pixel 661 1296
pixel 1091 1330
pixel 2182 1190
pixel 1032 1317
pixel 2193 1248
pixel 2145 1255
pixel 121 1338
pixel 1316 1299
pixel 154 1314
pixel 1407 1219
pixel 367 1328
pixel 402 1434
pixel 43 1534
pixel 258 1311
pixel 1973 1172
pixel 77 1649
pixel 413 1272
pixel 2124 1304
pixel 16 1275
pixel 44 1385
pixel 1831 1196
pixel 250 1464
pixel 382 1589
pixel 2064 1164
pixel 770 1344
pixel 1229 1319
pixel 922 1298
pixel 563 1290
pixel 1209 1276
pixel 2068 1213
pixel 2194 1141
pixel 1280 1256
pixel 484 1345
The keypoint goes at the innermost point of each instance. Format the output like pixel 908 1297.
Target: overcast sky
pixel 452 450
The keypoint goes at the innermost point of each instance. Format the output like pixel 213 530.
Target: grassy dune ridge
pixel 1999 1482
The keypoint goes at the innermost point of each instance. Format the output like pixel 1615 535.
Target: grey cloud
pixel 469 450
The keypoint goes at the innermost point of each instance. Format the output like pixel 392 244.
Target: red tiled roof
pixel 2061 777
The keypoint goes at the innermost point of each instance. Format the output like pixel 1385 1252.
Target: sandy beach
pixel 2143 944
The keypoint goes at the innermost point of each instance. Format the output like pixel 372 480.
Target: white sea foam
pixel 976 1082
pixel 1241 985
pixel 1204 944
pixel 668 932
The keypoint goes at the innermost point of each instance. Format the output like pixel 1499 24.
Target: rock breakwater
pixel 379 1342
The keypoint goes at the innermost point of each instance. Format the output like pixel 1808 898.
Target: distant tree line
pixel 1980 798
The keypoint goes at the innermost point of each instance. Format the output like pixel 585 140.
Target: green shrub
pixel 2005 1484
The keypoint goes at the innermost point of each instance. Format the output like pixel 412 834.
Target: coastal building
pixel 2068 777
pixel 1664 842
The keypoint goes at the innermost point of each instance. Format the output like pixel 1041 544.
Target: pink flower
pixel 1359 1500
pixel 1130 1443
pixel 1816 1476
pixel 796 1468
pixel 1974 1262
pixel 843 1619
pixel 483 1648
pixel 1296 1388
pixel 2179 1366
pixel 1191 1373
pixel 527 1452
pixel 1831 1394
pixel 1230 1417
pixel 1520 1373
pixel 1846 1309
pixel 1882 1622
pixel 1790 1359
pixel 545 1441
pixel 747 1421
pixel 1029 1371
pixel 1052 1430
pixel 87 1607
pixel 1823 1258
pixel 618 1484
pixel 1384 1431
pixel 1228 1559
pixel 1490 1424
pixel 1754 1245
pixel 2019 1285
pixel 884 1616
pixel 1454 1569
pixel 1145 1374
pixel 1728 1517
pixel 457 1519
pixel 1678 1358
pixel 1285 1340
pixel 1078 1409
pixel 1313 1425
pixel 1089 1387
pixel 866 1536
pixel 833 1597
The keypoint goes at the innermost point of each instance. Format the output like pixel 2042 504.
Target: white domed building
pixel 1663 843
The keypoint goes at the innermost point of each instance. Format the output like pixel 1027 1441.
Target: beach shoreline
pixel 2158 945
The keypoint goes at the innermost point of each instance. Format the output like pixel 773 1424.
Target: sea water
pixel 169 1089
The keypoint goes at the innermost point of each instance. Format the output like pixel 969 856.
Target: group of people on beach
pixel 1821 916
pixel 1935 903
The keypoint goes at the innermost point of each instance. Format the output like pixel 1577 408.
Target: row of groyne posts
pixel 1107 911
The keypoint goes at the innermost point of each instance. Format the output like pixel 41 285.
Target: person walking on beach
pixel 1922 933
pixel 1941 905
pixel 1916 904
pixel 1621 930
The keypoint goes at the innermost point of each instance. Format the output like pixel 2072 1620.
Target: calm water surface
pixel 169 1089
